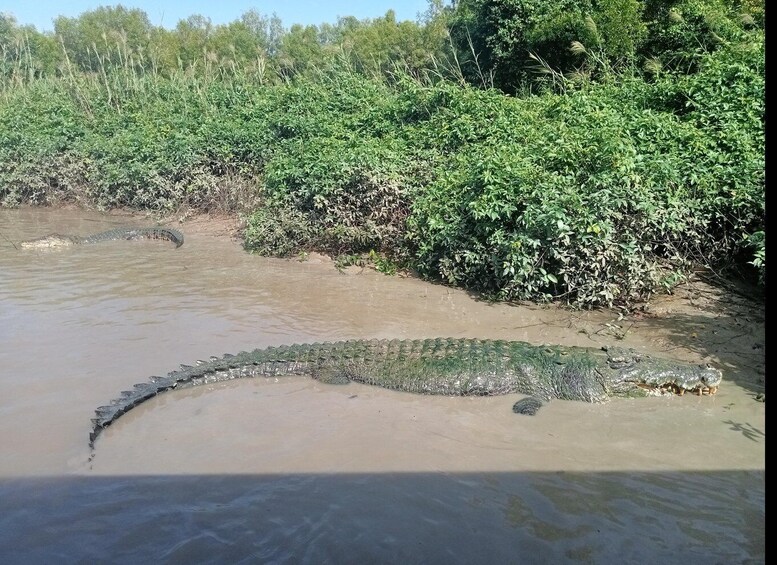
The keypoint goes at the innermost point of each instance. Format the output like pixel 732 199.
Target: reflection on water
pixel 296 471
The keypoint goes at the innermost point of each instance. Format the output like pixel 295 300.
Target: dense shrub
pixel 591 196
pixel 154 146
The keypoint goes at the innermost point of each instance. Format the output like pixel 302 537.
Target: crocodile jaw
pixel 671 378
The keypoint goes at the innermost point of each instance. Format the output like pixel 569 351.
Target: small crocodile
pixel 444 366
pixel 57 240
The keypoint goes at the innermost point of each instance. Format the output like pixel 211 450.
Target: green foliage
pixel 502 33
pixel 380 262
pixel 280 231
pixel 680 32
pixel 620 29
pixel 604 192
pixel 758 241
pixel 340 166
pixel 25 54
pixel 300 51
pixel 386 44
pixel 726 101
pixel 383 264
pixel 104 37
pixel 146 146
pixel 505 39
pixel 545 207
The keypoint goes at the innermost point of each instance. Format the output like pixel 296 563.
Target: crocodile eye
pixel 704 379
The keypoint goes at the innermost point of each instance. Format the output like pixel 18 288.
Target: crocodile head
pixel 634 374
pixel 53 240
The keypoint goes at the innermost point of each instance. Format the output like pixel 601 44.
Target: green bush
pixel 598 196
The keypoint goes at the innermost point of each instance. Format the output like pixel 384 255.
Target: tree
pixel 267 30
pixel 620 29
pixel 300 51
pixel 377 45
pixel 192 36
pixel 26 53
pixel 105 37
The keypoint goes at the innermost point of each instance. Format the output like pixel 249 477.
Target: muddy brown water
pixel 294 471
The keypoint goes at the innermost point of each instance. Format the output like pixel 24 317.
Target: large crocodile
pixel 455 367
pixel 57 240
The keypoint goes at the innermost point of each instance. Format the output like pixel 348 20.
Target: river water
pixel 295 471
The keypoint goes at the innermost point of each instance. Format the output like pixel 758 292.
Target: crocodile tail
pixel 166 233
pixel 268 362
